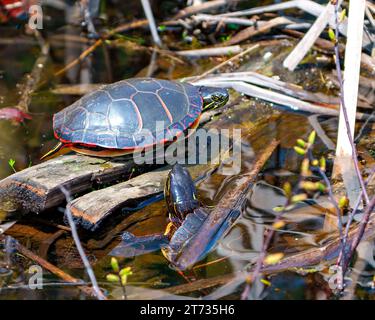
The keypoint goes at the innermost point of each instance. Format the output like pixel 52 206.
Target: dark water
pixel 239 248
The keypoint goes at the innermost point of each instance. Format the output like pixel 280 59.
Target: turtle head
pixel 213 97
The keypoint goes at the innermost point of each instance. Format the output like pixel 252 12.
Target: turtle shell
pixel 130 114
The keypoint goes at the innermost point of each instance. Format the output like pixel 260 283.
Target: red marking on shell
pixel 169 115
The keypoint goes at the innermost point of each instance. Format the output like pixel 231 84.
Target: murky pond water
pixel 259 121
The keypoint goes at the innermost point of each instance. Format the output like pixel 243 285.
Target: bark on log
pixel 38 188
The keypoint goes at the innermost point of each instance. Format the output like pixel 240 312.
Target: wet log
pixel 38 188
pixel 90 209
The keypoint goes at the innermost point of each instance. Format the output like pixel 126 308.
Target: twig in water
pixel 81 57
pixel 343 107
pixel 50 267
pixel 99 294
pixel 359 235
pixel 299 52
pixel 150 17
pixel 236 57
pixel 86 9
pixel 97 43
pixel 305 5
pixel 314 122
pixel 33 78
pixel 206 6
pixel 360 132
pixel 343 254
pixel 370 205
pixel 254 30
pixel 209 52
pixel 215 19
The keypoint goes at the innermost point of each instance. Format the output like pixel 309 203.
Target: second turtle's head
pixel 213 97
pixel 180 194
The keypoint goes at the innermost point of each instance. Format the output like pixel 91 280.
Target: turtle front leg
pixel 132 245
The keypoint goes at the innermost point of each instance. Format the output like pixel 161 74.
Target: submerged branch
pixel 33 79
pixel 98 293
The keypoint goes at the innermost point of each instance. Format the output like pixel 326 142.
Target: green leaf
pixel 343 202
pixel 114 265
pixel 126 271
pixel 112 278
pixel 273 258
pixel 278 209
pixel 342 15
pixel 11 163
pixel 301 143
pixel 299 197
pixel 322 163
pixel 309 186
pixel 124 279
pixel 233 26
pixel 312 137
pixel 300 151
pixel 331 34
pixel 321 187
pixel 287 187
pixel 162 28
pixel 266 282
pixel 278 224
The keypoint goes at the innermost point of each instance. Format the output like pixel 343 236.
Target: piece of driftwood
pixel 314 122
pixel 299 52
pixel 255 30
pixel 93 207
pixel 320 43
pixel 278 98
pixel 204 7
pixel 230 202
pixel 37 188
pixel 306 5
pixel 352 62
pixel 209 52
pixel 226 62
pixel 220 19
pixel 283 87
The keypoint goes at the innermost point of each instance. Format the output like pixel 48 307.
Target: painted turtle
pixel 132 114
pixel 185 215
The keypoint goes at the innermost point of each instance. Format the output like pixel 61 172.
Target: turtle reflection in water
pixel 185 216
